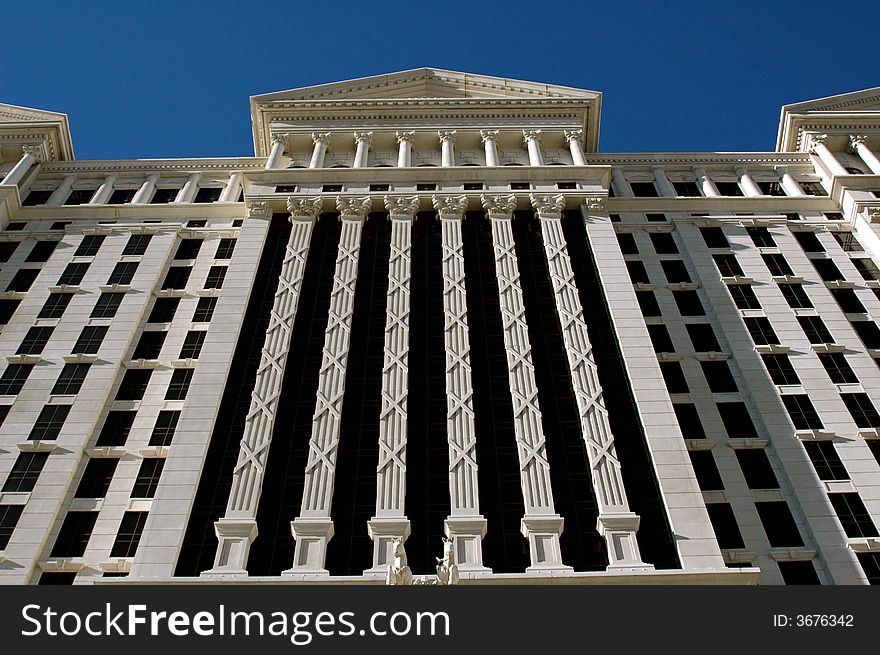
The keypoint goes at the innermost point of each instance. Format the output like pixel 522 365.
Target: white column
pixel 706 183
pixel 102 195
pixel 857 144
pixel 237 529
pixel 447 147
pixel 540 525
pixel 322 142
pixel 465 525
pixel 621 186
pixel 750 188
pixel 143 194
pixel 390 521
pixel 664 186
pixel 490 145
pixel 575 140
pixel 362 151
pixel 189 190
pixel 817 145
pixel 616 522
pixel 62 191
pixel 313 528
pixel 279 143
pixel 790 184
pixel 232 188
pixel 532 139
pixel 30 154
pixel 404 148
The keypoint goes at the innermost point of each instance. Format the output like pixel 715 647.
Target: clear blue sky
pixel 172 79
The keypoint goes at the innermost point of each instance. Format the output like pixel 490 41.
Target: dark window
pixel 853 515
pixel 827 270
pixel 188 249
pixel 59 225
pixel 706 471
pixel 179 385
pixel 121 196
pixel 838 368
pixel 36 198
pixel 868 332
pixel 6 250
pixel 71 378
pixel 674 377
pixel 225 249
pixel 648 303
pixel 379 187
pixel 332 188
pixel 874 447
pixel 177 277
pixel 107 305
pixel 687 189
pixel 813 188
pixel 96 477
pixel 675 271
pixel 780 369
pixel 866 268
pixel 9 515
pixel 90 339
pixel 15 226
pixel 204 310
pixel 795 296
pixel 55 305
pixel 833 216
pixel 728 188
pixel 137 244
pixel 660 339
pixel 49 423
pixel 41 251
pixel 192 345
pixel 74 534
pixel 215 278
pixel 34 341
pixel 761 237
pixel 798 573
pixel 208 194
pixel 148 478
pixel 714 237
pixel 4 412
pixel 519 186
pixel 825 460
pixel 702 336
pixel 761 331
pixel 727 265
pixel 849 302
pixel 689 421
pixel 129 534
pixel 756 468
pixel 150 345
pixel 815 330
pixel 163 310
pixel 719 377
pixel 809 241
pixel 79 197
pixel 688 303
pixel 25 472
pixel 627 243
pixel 848 241
pixel 724 525
pixel 871 566
pixel 737 421
pixel 802 412
pixel 779 524
pixel 73 274
pixel 861 409
pixel 23 279
pixel 776 264
pixel 644 189
pixel 14 378
pixel 117 427
pixel 162 196
pixel 163 430
pixel 134 384
pixel 7 309
pixel 637 273
pixel 197 223
pixel 664 243
pixel 479 186
pixel 743 296
pixel 123 273
pixel 655 218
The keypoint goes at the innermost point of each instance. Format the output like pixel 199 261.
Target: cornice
pixel 697 158
pixel 138 165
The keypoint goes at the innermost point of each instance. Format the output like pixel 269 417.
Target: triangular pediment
pixel 866 100
pixel 24 125
pixel 856 111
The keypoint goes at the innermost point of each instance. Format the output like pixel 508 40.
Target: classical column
pixel 189 190
pixel 464 525
pixel 664 186
pixel 615 522
pixel 237 529
pixel 621 186
pixel 322 142
pixel 390 521
pixel 279 143
pixel 232 189
pixel 490 146
pixel 143 194
pixel 102 195
pixel 857 145
pixel 30 155
pixel 788 182
pixel 575 139
pixel 750 188
pixel 706 183
pixel 362 151
pixel 62 191
pixel 540 525
pixel 447 147
pixel 532 139
pixel 817 145
pixel 404 148
pixel 313 528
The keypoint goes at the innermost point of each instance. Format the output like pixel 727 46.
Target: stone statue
pixel 447 569
pixel 398 571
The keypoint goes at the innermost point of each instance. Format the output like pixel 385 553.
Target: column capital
pixel 366 137
pixel 35 150
pixel 531 135
pixel 596 204
pixel 304 209
pixel 499 206
pixel 280 138
pixel 353 208
pixel 402 206
pixel 573 135
pixel 549 206
pixel 321 137
pixel 446 135
pixel 450 206
pixel 816 140
pixel 258 209
pixel 488 135
pixel 406 136
pixel 856 140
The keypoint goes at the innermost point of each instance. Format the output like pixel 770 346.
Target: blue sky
pixel 172 79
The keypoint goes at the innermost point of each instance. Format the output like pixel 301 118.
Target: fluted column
pixel 532 140
pixel 706 183
pixel 144 194
pixel 232 189
pixel 102 195
pixel 190 189
pixel 857 145
pixel 664 186
pixel 540 525
pixel 363 140
pixel 749 186
pixel 238 527
pixel 621 186
pixel 30 155
pixel 321 141
pixel 465 525
pixel 490 146
pixel 575 139
pixel 788 182
pixel 313 528
pixel 615 522
pixel 404 148
pixel 62 191
pixel 279 143
pixel 447 147
pixel 817 145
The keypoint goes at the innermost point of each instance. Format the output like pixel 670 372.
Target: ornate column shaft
pixel 788 182
pixel 706 183
pixel 750 187
pixel 363 140
pixel 62 191
pixel 447 147
pixel 532 139
pixel 465 525
pixel 102 195
pixel 232 189
pixel 616 522
pixel 30 155
pixel 404 148
pixel 313 528
pixel 279 143
pixel 189 190
pixel 575 139
pixel 490 146
pixel 540 525
pixel 238 527
pixel 321 141
pixel 817 145
pixel 143 194
pixel 621 186
pixel 857 144
pixel 664 186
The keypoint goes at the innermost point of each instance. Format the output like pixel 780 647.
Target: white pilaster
pixel 663 185
pixel 788 182
pixel 532 139
pixel 404 148
pixel 321 141
pixel 621 186
pixel 276 155
pixel 363 140
pixel 447 147
pixel 30 155
pixel 232 188
pixel 490 146
pixel 575 139
pixel 706 183
pixel 61 192
pixel 143 194
pixel 189 190
pixel 857 144
pixel 749 186
pixel 817 145
pixel 102 195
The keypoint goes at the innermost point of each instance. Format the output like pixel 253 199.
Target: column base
pixel 311 536
pixel 235 537
pixel 543 532
pixel 384 531
pixel 467 534
pixel 619 531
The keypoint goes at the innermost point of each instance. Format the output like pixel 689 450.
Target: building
pixel 428 306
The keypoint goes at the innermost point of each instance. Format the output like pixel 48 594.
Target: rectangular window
pixel 728 188
pixel 861 409
pixel 664 243
pixel 849 302
pixel 802 412
pixel 853 515
pixel 674 377
pixel 177 277
pixel 815 330
pixel 724 525
pixel 689 421
pixel 737 421
pixel 776 264
pixel 687 189
pixel 795 296
pixel 637 273
pixel 137 244
pixel 727 265
pixel 129 534
pixel 660 339
pixel 870 563
pixel 163 430
pixel 204 310
pixel 706 471
pixel 123 273
pixel 215 278
pixel 192 345
pixel 35 198
pixel 4 412
pixel 150 345
pixel 71 379
pixel 655 218
pixel 826 460
pixel 647 303
pixel 55 305
pixel 7 248
pixel 627 243
pixel 874 447
pixel 688 303
pixel 808 241
pixel 208 194
pixel 675 271
pixel 163 310
pixel 23 279
pixel 838 368
pixel 644 189
pixel 134 384
pixel 34 341
pixel 756 468
pixel 827 270
pixel 868 332
pixel 9 515
pixel 25 471
pixel 107 305
pixel 49 423
pixel 148 477
pixel 59 225
pixel 188 249
pixel 90 339
pixel 782 531
pixel 163 196
pixel 196 222
pixel 813 188
pixel 179 385
pixel 761 331
pixel 41 251
pixel 780 369
pixel 719 377
pixel 14 378
pixel 714 237
pixel 121 196
pixel 761 237
pixel 225 249
pixel 74 534
pixel 96 477
pixel 866 268
pixel 771 188
pixel 7 309
pixel 117 427
pixel 848 241
pixel 743 296
pixel 73 274
pixel 79 197
pixel 702 336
